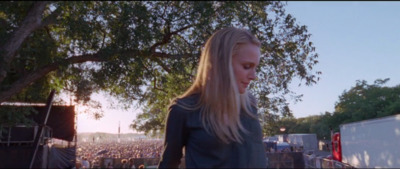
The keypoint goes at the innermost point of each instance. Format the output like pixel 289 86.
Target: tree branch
pixel 52 18
pixel 159 62
pixel 179 56
pixel 48 33
pixel 104 39
pixel 20 84
pixel 167 38
pixel 31 22
pixel 185 40
pixel 165 55
pixel 155 86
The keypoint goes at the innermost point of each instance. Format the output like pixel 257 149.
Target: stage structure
pixel 49 143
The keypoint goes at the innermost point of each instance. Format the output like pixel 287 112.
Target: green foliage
pixel 147 51
pixel 365 101
pixel 361 102
pixel 270 124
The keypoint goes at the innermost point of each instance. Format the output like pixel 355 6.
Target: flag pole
pixel 119 130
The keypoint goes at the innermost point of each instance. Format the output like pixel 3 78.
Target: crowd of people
pixel 89 154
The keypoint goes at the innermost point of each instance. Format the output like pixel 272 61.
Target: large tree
pixel 143 51
pixel 364 101
pixel 361 102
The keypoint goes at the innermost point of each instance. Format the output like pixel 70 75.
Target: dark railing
pixel 23 134
pixel 285 160
pixel 148 162
pixel 116 162
pixel 311 161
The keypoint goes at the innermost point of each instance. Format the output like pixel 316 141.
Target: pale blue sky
pixel 354 40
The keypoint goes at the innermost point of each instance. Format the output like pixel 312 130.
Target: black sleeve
pixel 175 135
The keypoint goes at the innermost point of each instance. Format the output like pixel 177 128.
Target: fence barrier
pixel 310 161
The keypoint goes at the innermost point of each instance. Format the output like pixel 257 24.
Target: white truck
pixel 373 143
pixel 304 141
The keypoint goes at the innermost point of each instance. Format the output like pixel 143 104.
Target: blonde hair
pixel 219 100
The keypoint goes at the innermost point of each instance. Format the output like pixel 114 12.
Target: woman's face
pixel 244 63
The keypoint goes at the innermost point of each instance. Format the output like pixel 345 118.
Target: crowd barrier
pixel 116 162
pixel 274 160
pixel 310 161
pixel 285 160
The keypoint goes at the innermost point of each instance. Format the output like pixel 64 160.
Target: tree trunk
pixel 31 22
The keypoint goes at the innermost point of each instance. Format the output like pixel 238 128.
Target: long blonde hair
pixel 219 99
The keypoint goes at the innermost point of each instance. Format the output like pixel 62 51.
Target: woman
pixel 215 120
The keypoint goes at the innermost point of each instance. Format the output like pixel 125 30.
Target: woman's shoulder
pixel 184 104
pixel 252 104
pixel 187 101
pixel 252 99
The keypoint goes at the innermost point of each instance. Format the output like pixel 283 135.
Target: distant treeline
pixel 361 102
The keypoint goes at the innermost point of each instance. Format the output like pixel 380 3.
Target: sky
pixel 110 122
pixel 354 40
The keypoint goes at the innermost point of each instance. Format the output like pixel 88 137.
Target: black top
pixel 204 150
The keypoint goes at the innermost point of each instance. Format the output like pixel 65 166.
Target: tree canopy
pixel 145 51
pixel 361 102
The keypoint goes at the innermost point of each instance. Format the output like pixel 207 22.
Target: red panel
pixel 336 147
